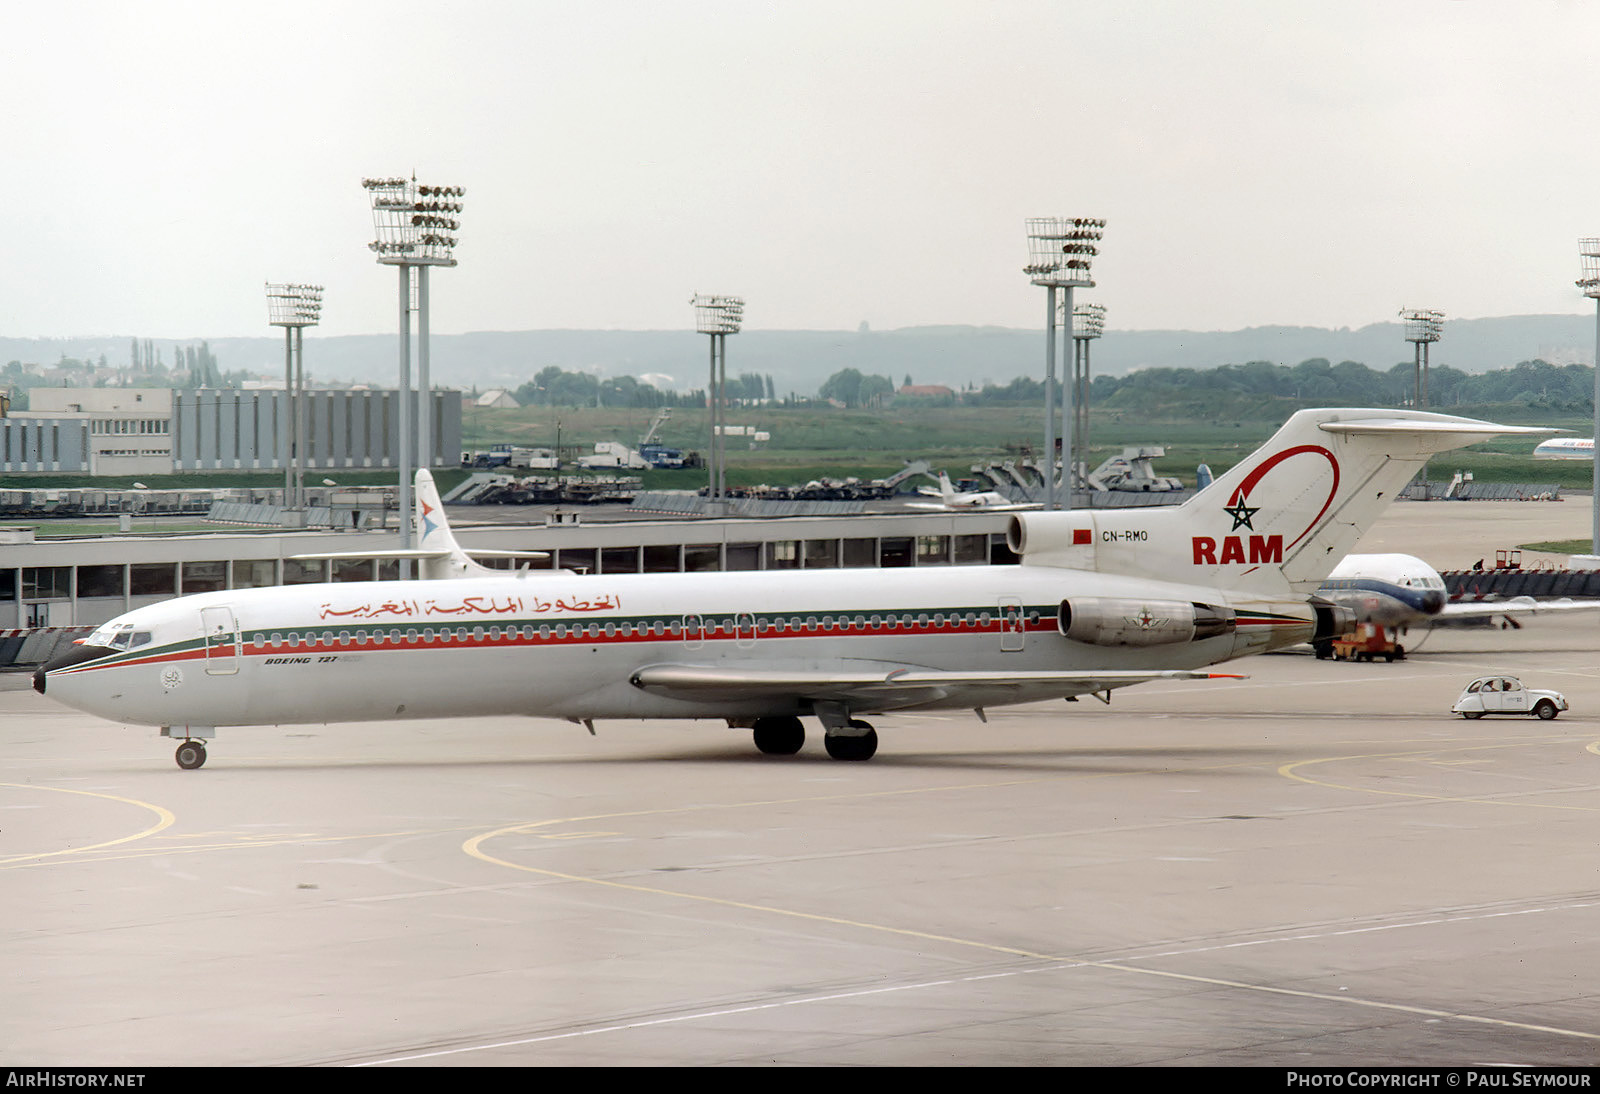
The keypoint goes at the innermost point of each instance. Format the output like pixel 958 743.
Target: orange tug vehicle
pixel 1368 642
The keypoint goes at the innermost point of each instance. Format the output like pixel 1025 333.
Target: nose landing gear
pixel 192 746
pixel 191 755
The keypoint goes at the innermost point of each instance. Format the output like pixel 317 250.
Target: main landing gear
pixel 860 743
pixel 779 736
pixel 848 739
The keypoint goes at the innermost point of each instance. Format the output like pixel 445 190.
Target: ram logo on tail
pixel 1275 523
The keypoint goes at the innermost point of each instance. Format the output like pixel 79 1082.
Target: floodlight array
pixel 1422 325
pixel 294 305
pixel 717 314
pixel 1589 251
pixel 414 223
pixel 1088 321
pixel 1061 249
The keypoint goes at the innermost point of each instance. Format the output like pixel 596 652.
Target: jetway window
pixel 46 582
pixel 700 557
pixel 8 584
pixel 743 556
pixel 100 581
pixel 860 553
pixel 153 579
pixel 971 550
pixel 663 558
pixel 304 572
pixel 352 569
pixel 783 554
pixel 895 552
pixel 933 550
pixel 579 559
pixel 822 554
pixel 619 560
pixel 254 573
pixel 203 577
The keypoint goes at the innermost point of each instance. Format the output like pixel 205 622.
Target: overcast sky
pixel 1259 162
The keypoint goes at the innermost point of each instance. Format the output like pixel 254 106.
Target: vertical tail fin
pixel 946 491
pixel 1278 521
pixel 434 535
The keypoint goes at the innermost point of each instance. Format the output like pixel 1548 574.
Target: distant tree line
pixel 554 386
pixel 1350 383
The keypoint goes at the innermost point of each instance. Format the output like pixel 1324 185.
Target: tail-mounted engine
pixel 1333 620
pixel 1103 621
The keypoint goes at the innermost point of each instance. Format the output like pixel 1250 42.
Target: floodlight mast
pixel 416 227
pixel 294 307
pixel 1422 329
pixel 717 316
pixel 1060 252
pixel 1589 285
pixel 1088 322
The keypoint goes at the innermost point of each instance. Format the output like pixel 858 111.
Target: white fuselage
pixel 565 646
pixel 1565 448
pixel 1389 590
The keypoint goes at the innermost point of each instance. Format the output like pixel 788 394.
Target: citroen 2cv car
pixel 1502 694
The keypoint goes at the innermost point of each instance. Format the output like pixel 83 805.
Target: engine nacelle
pixel 1333 620
pixel 1104 621
pixel 1043 533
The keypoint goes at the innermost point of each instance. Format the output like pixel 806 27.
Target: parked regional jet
pixel 1398 591
pixel 1102 599
pixel 951 498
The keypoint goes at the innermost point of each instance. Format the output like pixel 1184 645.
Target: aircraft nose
pixel 74 655
pixel 1433 601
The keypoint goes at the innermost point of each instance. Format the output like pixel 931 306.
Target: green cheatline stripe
pixel 738 625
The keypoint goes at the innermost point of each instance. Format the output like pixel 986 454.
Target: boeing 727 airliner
pixel 1102 599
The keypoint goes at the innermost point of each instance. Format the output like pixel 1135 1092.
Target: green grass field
pixel 813 443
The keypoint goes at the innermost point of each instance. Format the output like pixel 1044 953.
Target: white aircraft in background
pixel 1565 448
pixel 1102 599
pixel 951 498
pixel 1395 591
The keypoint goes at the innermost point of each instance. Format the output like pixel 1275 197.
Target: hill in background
pixel 799 361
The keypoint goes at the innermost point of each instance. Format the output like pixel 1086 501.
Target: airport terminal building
pixel 128 432
pixel 66 585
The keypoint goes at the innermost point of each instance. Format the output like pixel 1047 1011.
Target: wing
pixel 421 555
pixel 890 685
pixel 1482 611
pixel 1000 507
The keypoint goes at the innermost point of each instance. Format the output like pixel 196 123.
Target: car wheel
pixel 1546 710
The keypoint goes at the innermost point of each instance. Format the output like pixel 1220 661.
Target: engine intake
pixel 1333 620
pixel 1103 621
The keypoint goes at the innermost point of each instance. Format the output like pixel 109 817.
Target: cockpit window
pixel 114 636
